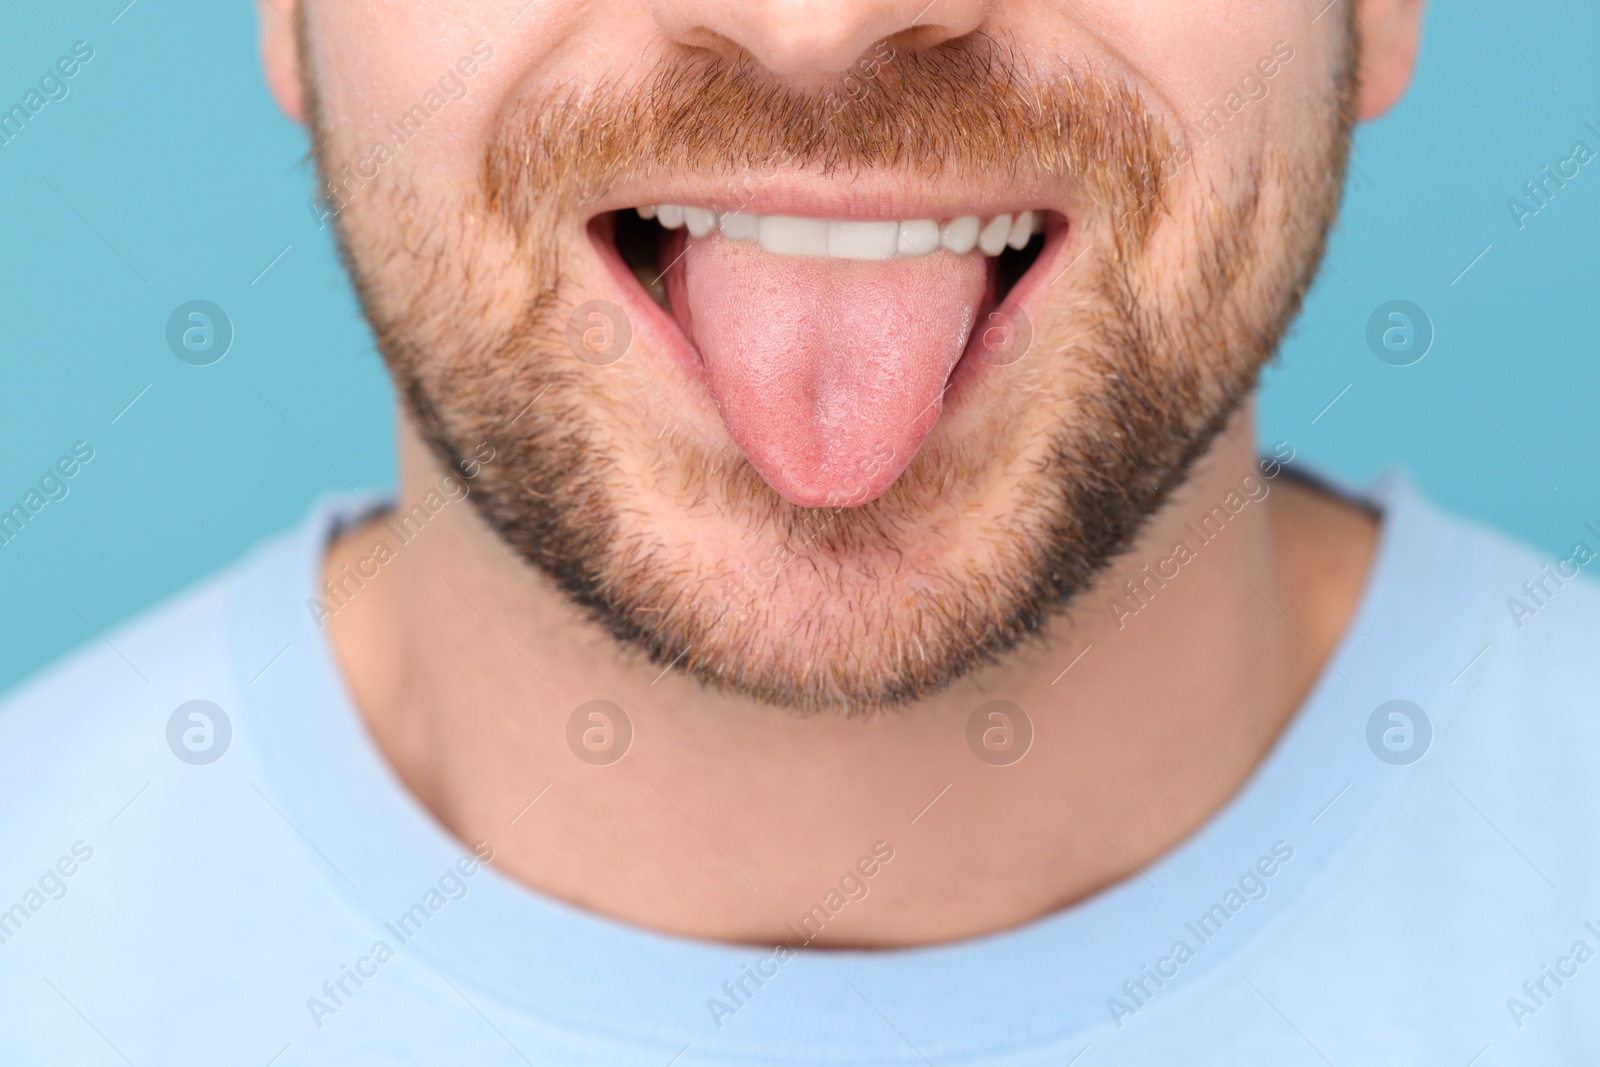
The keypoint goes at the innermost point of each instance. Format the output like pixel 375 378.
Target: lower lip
pixel 659 331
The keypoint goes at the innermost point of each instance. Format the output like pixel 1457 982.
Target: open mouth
pixel 830 345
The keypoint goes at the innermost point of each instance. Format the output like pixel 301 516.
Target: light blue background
pixel 167 175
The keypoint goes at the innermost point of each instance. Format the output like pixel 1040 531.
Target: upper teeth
pixel 789 235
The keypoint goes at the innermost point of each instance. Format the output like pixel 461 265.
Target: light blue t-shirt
pixel 1398 883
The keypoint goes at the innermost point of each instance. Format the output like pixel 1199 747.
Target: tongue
pixel 829 373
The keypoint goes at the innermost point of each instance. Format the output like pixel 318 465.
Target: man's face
pixel 827 453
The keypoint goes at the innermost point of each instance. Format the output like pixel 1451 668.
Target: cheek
pixel 376 61
pixel 1192 53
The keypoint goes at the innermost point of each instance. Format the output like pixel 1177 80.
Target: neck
pixel 1150 704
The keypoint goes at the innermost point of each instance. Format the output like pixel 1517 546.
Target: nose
pixel 797 37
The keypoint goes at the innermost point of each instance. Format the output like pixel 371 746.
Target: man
pixel 833 609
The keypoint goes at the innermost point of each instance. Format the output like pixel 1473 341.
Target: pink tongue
pixel 829 373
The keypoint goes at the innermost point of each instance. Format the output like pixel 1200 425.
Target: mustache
pixel 963 110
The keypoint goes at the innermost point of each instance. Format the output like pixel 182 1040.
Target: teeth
pixel 700 220
pixel 790 236
pixel 1021 230
pixel 853 239
pixel 959 235
pixel 992 238
pixel 740 226
pixel 863 240
pixel 919 237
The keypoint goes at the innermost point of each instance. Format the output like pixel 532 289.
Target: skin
pixel 726 819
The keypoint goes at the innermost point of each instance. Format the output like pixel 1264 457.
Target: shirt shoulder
pixel 78 733
pixel 112 703
pixel 140 828
pixel 1541 649
pixel 1515 717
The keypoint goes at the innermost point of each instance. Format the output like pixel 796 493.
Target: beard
pixel 670 541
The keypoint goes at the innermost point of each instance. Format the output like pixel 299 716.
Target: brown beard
pixel 862 611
